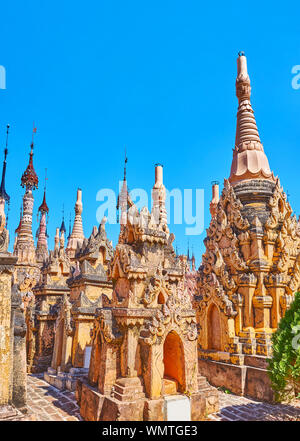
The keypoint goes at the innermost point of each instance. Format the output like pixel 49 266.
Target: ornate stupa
pixel 250 270
pixel 24 247
pixel 42 244
pixel 77 236
pixel 144 342
pixel 27 271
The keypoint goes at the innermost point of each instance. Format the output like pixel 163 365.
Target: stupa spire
pixel 24 247
pixel 42 245
pixel 3 194
pixel 159 211
pixel 56 240
pixel 249 159
pixel 125 166
pixel 77 236
pixel 4 198
pixel 124 201
pixel 63 227
pixel 70 223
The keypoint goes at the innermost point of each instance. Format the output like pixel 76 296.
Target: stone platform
pixel 127 402
pixel 245 380
pixel 64 380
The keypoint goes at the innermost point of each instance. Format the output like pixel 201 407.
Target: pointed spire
pixel 125 165
pixel 77 235
pixel 124 201
pixel 159 211
pixel 42 244
pixel 29 178
pixel 63 227
pixel 188 252
pixel 43 208
pixel 249 159
pixel 3 193
pixel 24 248
pixel 70 222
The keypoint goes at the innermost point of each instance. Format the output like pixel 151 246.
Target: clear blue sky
pixel 158 77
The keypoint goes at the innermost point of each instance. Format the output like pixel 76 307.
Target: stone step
pixel 10 413
pixel 170 386
pixel 129 396
pixel 128 389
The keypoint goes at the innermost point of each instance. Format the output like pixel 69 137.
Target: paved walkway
pixel 235 408
pixel 46 403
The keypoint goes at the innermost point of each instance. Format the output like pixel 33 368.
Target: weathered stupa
pixel 144 359
pixel 27 272
pixel 250 270
pixel 42 244
pixel 76 238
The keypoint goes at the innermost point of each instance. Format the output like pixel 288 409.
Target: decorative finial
pixel 29 178
pixel 241 54
pixel 125 165
pixel 33 133
pixel 70 222
pixel 63 227
pixel 6 146
pixel 46 179
pixel 3 193
pixel 43 208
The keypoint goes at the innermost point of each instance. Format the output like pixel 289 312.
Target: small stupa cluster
pixel 136 328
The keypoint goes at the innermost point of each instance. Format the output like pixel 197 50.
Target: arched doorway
pixel 174 374
pixel 214 328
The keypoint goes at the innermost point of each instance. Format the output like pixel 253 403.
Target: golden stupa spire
pixel 249 159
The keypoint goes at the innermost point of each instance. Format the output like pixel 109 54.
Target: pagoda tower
pixel 77 237
pixel 144 341
pixel 124 201
pixel 27 270
pixel 42 245
pixel 251 267
pixel 24 247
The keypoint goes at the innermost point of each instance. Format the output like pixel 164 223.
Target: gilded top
pixel 29 178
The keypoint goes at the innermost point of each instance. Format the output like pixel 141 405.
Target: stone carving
pixel 145 339
pixel 250 268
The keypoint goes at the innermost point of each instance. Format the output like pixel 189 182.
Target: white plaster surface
pixel 177 408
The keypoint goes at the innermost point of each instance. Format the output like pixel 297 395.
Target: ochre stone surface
pixel 154 326
pixel 250 269
pixel 88 286
pixel 144 343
